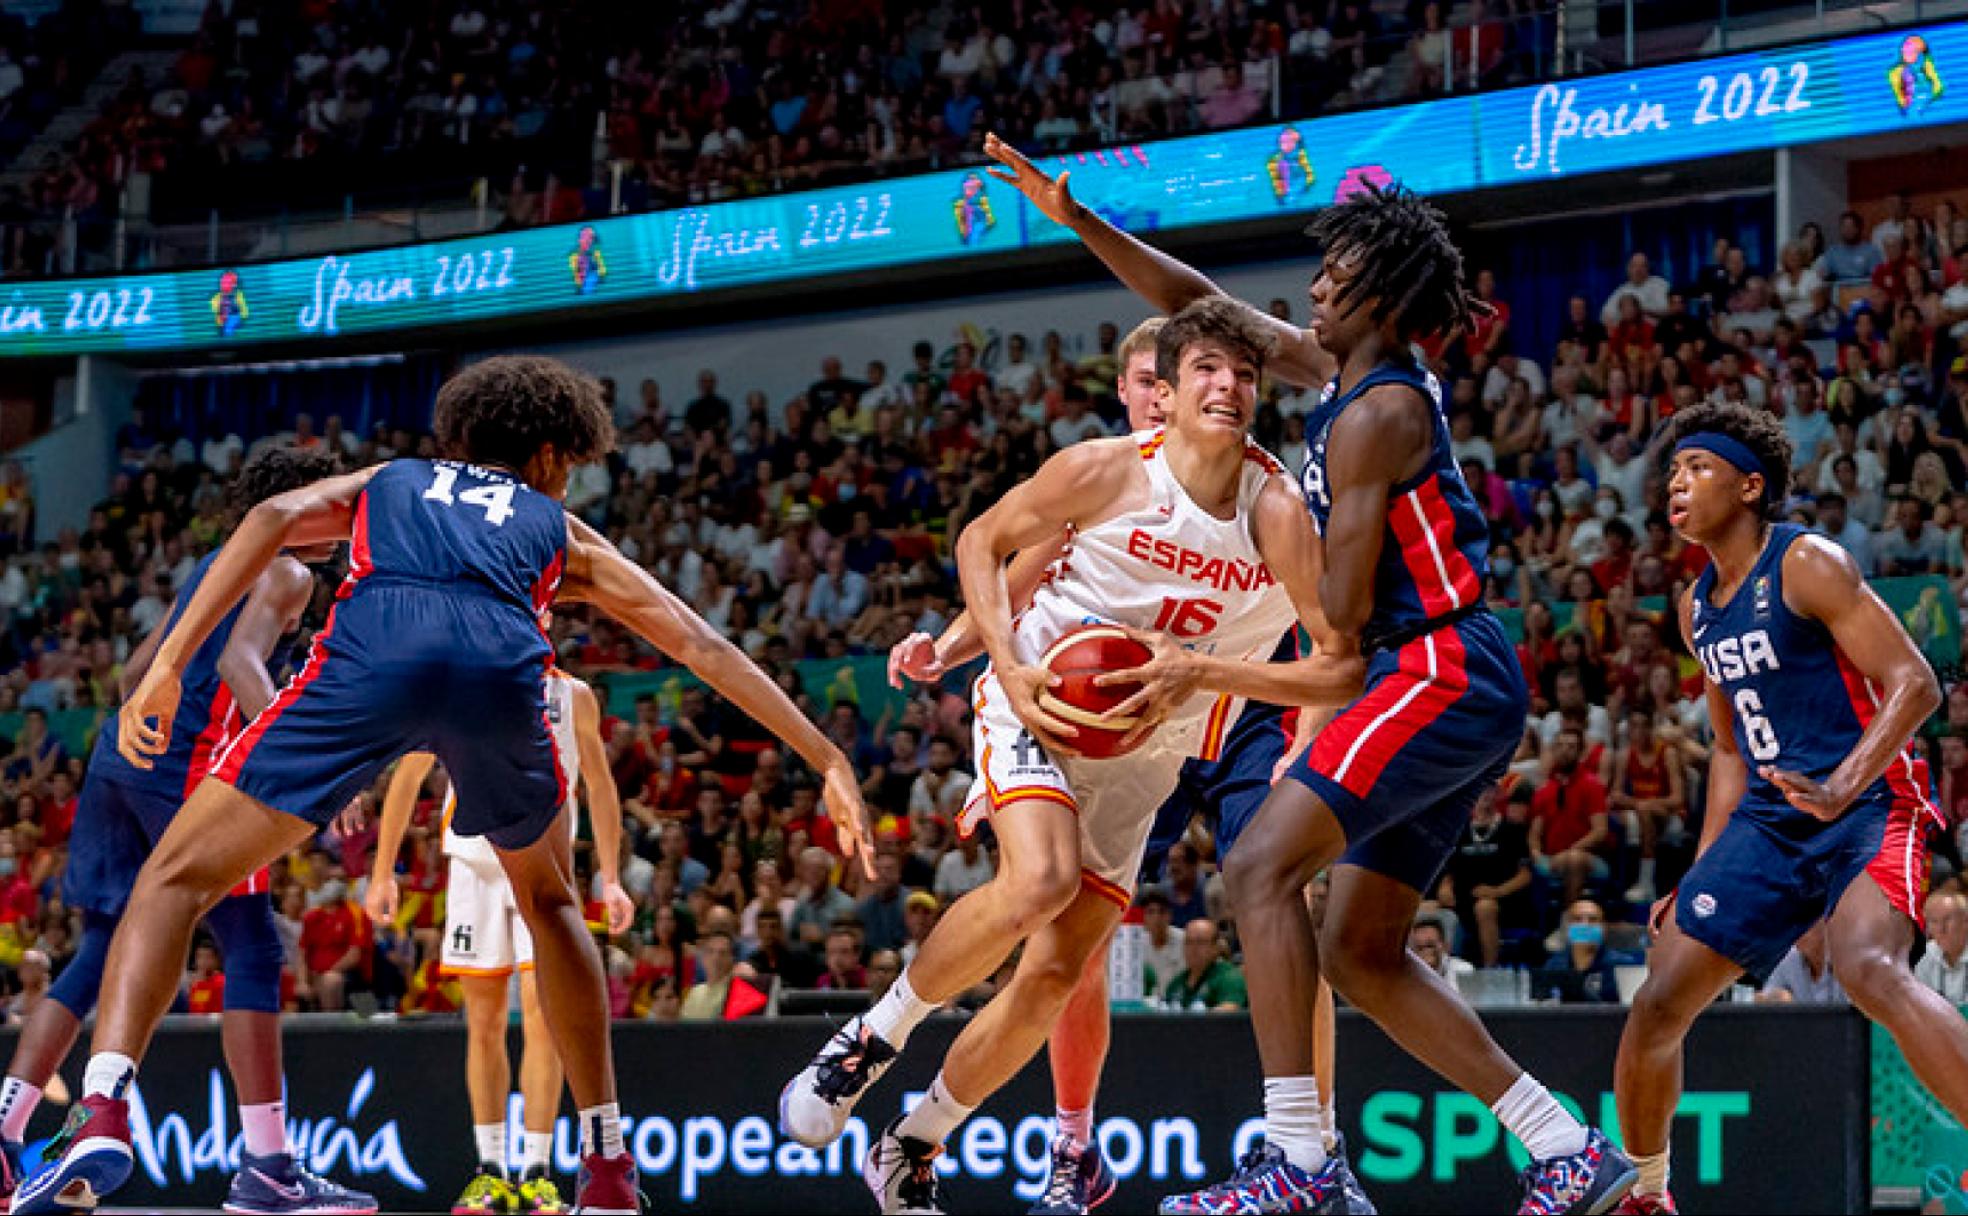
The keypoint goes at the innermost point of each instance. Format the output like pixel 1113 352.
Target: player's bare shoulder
pixel 1819 576
pixel 1094 479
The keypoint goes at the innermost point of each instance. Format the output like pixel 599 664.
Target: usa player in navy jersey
pixel 1817 810
pixel 124 810
pixel 1225 790
pixel 433 645
pixel 1384 791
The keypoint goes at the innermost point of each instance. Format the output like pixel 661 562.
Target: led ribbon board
pixel 1766 99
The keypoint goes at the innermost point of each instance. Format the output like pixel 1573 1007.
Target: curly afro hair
pixel 1409 265
pixel 276 469
pixel 1758 430
pixel 1216 319
pixel 502 411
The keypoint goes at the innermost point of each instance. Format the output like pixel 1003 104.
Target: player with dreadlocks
pixel 1384 791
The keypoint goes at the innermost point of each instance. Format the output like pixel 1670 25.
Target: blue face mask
pixel 1584 934
pixel 847 491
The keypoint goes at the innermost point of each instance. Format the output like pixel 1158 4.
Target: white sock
pixel 110 1075
pixel 491 1138
pixel 537 1153
pixel 936 1116
pixel 265 1127
pixel 1647 872
pixel 1329 1126
pixel 17 1102
pixel 601 1130
pixel 1293 1119
pixel 1076 1125
pixel 898 1013
pixel 1545 1128
pixel 1653 1173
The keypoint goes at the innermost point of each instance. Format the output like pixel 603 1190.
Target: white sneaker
pixel 901 1171
pixel 815 1105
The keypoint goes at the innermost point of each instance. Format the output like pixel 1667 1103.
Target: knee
pixel 1038 893
pixel 1353 971
pixel 1052 980
pixel 253 956
pixel 1659 1013
pixel 1487 912
pixel 1258 876
pixel 1876 983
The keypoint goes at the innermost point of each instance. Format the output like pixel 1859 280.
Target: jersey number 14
pixel 495 499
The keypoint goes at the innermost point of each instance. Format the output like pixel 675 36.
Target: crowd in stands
pixel 820 528
pixel 718 99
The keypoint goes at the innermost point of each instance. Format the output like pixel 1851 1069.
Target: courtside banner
pixel 1774 1118
pixel 1734 103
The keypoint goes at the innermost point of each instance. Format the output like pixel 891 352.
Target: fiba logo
pixel 1704 905
pixel 461 939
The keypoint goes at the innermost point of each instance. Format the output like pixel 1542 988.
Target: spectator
pixel 881 910
pixel 776 955
pixel 1804 975
pixel 1568 819
pixel 963 869
pixel 820 903
pixel 1488 879
pixel 705 1001
pixel 1233 102
pixel 942 788
pixel 919 915
pixel 1185 888
pixel 1582 972
pixel 334 937
pixel 843 972
pixel 1428 941
pixel 1076 423
pixel 1944 967
pixel 1648 288
pixel 1912 545
pixel 1162 942
pixel 839 594
pixel 1207 980
pixel 205 983
pixel 1852 536
pixel 1851 258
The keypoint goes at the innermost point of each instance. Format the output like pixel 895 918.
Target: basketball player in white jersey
pixel 1264 740
pixel 1191 531
pixel 485 941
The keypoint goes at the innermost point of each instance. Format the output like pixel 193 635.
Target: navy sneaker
pixel 1079 1182
pixel 1265 1182
pixel 87 1160
pixel 276 1185
pixel 1590 1182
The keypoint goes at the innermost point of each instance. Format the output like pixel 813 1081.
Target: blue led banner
pixel 1713 107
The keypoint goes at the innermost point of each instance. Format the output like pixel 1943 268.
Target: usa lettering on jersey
pixel 1738 658
pixel 1235 574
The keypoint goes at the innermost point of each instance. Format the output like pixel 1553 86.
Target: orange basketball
pixel 1076 658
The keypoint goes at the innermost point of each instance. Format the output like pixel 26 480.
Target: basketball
pixel 1078 657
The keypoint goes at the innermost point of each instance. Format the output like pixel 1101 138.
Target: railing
pixel 1319 71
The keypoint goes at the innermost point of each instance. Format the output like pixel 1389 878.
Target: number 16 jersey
pixel 1172 567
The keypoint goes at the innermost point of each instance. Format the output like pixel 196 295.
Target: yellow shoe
pixel 541 1197
pixel 487 1194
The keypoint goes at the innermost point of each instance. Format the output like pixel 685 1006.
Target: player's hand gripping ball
pixel 1078 657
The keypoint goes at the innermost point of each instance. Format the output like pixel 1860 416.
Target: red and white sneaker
pixel 607 1186
pixel 1636 1204
pixel 92 1158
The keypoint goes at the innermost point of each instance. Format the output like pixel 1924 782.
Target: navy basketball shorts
pixel 1403 766
pixel 1775 871
pixel 406 667
pixel 111 840
pixel 1227 790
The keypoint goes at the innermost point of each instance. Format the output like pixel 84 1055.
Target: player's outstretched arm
pixel 1075 488
pixel 1168 285
pixel 380 900
pixel 1822 583
pixel 274 607
pixel 604 807
pixel 598 574
pixel 319 513
pixel 922 658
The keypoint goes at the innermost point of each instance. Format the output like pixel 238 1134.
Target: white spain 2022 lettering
pixel 1556 116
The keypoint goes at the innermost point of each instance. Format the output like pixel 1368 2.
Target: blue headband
pixel 1729 449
